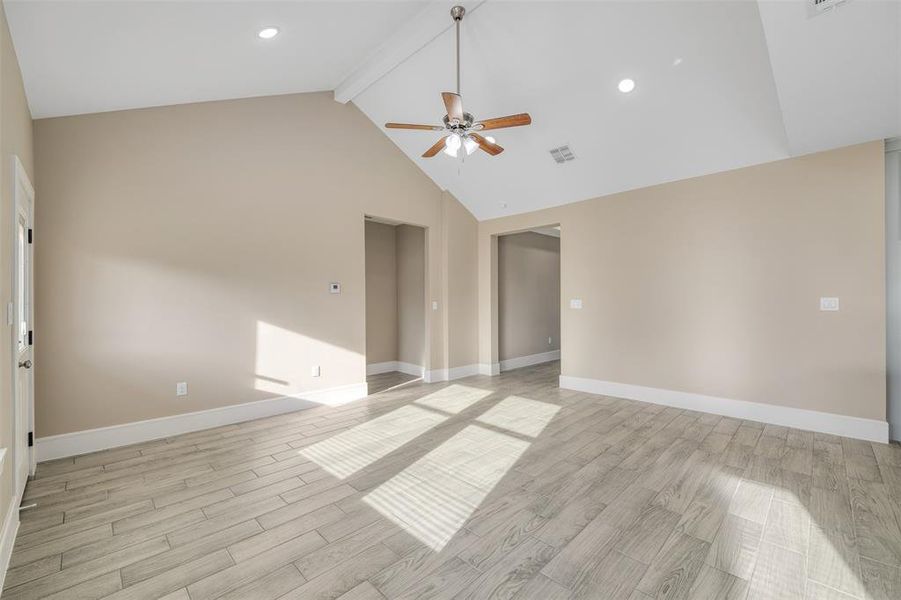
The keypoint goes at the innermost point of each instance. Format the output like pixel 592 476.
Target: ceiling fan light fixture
pixel 470 145
pixel 452 144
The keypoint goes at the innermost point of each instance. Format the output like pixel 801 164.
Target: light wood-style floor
pixel 502 487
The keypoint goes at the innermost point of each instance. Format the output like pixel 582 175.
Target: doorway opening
pixel 528 281
pixel 395 303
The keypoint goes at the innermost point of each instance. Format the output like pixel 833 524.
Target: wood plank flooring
pixel 486 487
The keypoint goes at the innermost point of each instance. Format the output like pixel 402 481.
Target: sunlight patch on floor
pixel 454 398
pixel 433 497
pixel 770 538
pixel 829 555
pixel 520 415
pixel 346 453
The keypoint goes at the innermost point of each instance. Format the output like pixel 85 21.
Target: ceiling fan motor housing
pixel 457 126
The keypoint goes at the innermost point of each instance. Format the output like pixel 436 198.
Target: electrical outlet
pixel 181 388
pixel 549 342
pixel 315 371
pixel 575 303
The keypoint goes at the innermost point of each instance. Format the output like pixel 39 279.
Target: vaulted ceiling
pixel 719 85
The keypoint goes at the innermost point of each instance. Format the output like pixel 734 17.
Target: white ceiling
pixel 81 56
pixel 706 98
pixel 720 85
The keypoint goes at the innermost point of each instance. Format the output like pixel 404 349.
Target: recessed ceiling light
pixel 267 33
pixel 626 86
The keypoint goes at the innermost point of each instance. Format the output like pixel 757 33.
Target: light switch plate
pixel 181 388
pixel 434 306
pixel 315 371
pixel 829 304
pixel 575 303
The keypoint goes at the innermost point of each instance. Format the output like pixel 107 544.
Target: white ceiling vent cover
pixel 818 7
pixel 562 154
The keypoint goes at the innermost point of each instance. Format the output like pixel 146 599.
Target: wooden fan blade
pixel 492 149
pixel 509 121
pixel 412 126
pixel 438 147
pixel 454 104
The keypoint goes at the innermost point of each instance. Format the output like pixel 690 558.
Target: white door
pixel 22 309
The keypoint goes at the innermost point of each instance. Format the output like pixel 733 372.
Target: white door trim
pixel 893 285
pixel 23 198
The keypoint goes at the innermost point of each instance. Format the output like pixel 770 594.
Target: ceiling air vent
pixel 562 154
pixel 818 7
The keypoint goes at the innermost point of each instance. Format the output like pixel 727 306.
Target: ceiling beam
pixel 408 39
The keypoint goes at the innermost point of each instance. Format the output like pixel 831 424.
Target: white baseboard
pixel 435 375
pixel 451 374
pixel 382 367
pixel 8 536
pixel 395 365
pixel 92 440
pixel 461 372
pixel 527 361
pixel 810 420
pixel 490 369
pixel 410 369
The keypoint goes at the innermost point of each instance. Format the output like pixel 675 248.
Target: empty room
pixel 417 299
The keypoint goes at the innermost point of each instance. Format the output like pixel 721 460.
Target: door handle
pixel 25 363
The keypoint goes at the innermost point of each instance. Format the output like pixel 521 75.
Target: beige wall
pixel 410 244
pixel 15 140
pixel 711 285
pixel 461 299
pixel 708 285
pixel 381 293
pixel 196 243
pixel 528 294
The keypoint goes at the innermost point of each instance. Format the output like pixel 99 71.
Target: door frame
pixel 23 198
pixel 430 306
pixel 893 285
pixel 489 293
pixel 496 329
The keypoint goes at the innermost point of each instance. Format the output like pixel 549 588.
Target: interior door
pixel 22 310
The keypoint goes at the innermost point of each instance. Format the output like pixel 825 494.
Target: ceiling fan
pixel 462 128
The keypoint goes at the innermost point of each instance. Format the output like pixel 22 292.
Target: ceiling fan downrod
pixel 457 13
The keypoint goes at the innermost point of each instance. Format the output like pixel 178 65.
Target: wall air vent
pixel 562 154
pixel 818 7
